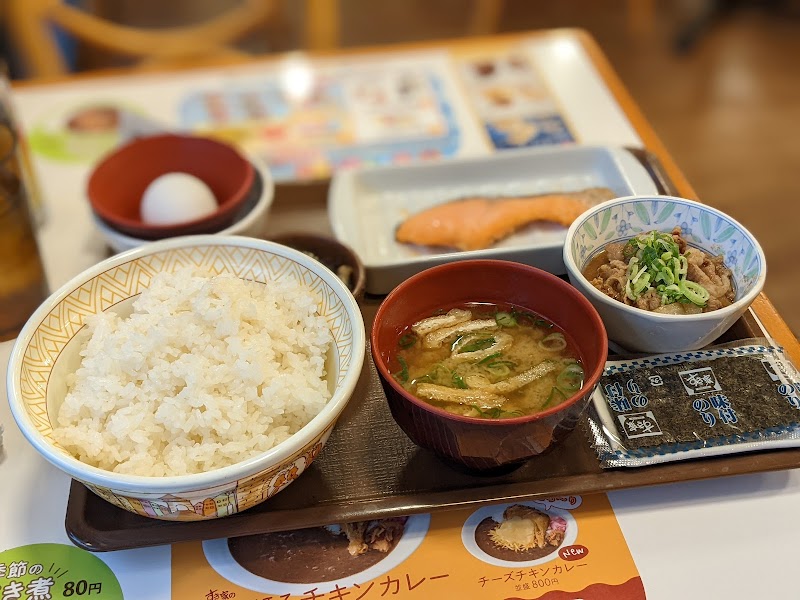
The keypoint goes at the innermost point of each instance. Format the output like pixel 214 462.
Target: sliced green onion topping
pixel 480 344
pixel 500 368
pixel 435 375
pixel 695 292
pixel 402 374
pixel 496 412
pixel 523 316
pixel 505 319
pixel 556 397
pixel 570 379
pixel 553 342
pixel 407 340
pixel 458 381
pixel 657 264
pixel 490 358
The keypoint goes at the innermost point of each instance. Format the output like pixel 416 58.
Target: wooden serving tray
pixel 369 469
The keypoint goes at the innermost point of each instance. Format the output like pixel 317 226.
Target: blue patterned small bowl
pixel 704 227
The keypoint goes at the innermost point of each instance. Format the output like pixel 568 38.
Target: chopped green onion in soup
pixel 500 368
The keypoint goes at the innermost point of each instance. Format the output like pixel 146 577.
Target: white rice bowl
pixel 206 372
pixel 196 408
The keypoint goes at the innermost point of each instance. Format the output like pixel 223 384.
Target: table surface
pixel 688 540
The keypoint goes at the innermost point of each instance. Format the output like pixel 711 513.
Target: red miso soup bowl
pixel 474 444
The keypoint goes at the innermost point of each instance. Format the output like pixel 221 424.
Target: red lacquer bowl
pixel 116 185
pixel 487 445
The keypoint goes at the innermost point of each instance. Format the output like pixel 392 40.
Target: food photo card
pixel 542 549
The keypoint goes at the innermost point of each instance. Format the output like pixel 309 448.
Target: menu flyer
pixel 46 571
pixel 561 548
pixel 305 118
pixel 512 101
pixel 308 117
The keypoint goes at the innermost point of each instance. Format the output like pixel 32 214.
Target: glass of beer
pixel 23 285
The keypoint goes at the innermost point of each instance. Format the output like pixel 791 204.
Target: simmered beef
pixel 611 278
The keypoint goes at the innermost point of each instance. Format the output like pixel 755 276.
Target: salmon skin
pixel 479 222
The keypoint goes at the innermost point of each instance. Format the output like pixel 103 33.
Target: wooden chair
pixel 487 15
pixel 31 27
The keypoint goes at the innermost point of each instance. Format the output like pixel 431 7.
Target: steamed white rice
pixel 206 372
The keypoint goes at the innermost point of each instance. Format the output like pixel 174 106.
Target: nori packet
pixel 707 402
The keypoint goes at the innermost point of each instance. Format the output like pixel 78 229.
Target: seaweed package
pixel 704 403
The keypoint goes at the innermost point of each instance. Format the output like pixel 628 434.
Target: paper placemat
pixel 443 555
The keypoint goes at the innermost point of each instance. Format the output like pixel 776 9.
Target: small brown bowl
pixel 487 446
pixel 117 183
pixel 338 257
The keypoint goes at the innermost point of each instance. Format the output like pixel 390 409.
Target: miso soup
pixel 487 360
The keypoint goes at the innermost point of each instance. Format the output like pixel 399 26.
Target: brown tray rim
pixel 762 461
pixel 151 532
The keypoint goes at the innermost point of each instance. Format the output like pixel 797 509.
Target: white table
pixel 731 538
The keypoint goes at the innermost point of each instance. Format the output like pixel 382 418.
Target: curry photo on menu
pixel 318 554
pixel 523 534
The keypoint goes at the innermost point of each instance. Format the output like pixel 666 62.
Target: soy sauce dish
pixel 487 363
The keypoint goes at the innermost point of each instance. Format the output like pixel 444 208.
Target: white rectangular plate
pixel 365 207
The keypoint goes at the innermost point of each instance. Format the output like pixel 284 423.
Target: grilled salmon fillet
pixel 476 223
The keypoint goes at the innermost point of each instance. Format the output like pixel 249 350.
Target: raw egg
pixel 175 198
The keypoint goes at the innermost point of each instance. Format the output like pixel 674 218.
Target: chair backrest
pixel 31 27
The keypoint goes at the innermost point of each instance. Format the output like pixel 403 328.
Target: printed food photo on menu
pixel 320 553
pixel 78 133
pixel 520 534
pixel 513 101
pixel 291 561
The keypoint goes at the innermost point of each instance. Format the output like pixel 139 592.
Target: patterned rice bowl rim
pixel 62 316
pixel 701 225
pixel 225 499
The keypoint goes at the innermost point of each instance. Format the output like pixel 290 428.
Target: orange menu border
pixel 593 562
